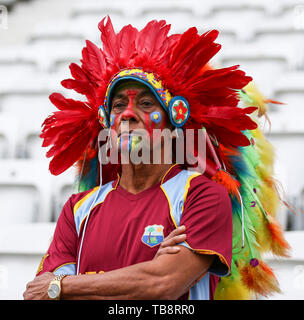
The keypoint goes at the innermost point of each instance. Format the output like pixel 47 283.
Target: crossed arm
pixel 167 276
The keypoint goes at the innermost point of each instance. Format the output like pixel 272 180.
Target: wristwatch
pixel 54 288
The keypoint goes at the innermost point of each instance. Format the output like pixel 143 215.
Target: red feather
pixel 77 72
pixel 94 63
pixel 63 103
pixel 151 37
pixel 70 154
pixel 52 134
pixel 109 40
pixel 201 53
pixel 69 130
pixel 126 39
pixel 81 84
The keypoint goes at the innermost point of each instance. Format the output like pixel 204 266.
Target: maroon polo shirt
pixel 127 228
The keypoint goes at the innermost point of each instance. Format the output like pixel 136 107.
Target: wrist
pixel 63 293
pixel 55 287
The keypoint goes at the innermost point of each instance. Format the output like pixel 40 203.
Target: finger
pixel 29 285
pixel 173 241
pixel 167 250
pixel 176 232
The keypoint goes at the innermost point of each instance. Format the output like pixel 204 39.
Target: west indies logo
pixel 153 235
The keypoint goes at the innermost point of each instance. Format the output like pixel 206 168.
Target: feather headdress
pixel 177 65
pixel 179 60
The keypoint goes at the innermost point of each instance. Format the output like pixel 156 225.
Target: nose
pixel 128 114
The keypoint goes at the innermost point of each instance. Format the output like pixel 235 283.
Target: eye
pixel 118 106
pixel 146 103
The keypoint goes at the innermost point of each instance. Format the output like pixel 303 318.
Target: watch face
pixel 53 291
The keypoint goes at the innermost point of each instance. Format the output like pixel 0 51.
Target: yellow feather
pixel 265 148
pixel 268 198
pixel 257 99
pixel 227 291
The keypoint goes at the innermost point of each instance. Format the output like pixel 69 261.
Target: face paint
pixel 125 142
pixel 128 112
pixel 112 119
pixel 131 94
pixel 128 142
pixel 155 117
pixel 149 125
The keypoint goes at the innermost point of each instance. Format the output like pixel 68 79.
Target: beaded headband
pixel 177 107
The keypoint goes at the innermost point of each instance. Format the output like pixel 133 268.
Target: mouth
pixel 128 140
pixel 125 134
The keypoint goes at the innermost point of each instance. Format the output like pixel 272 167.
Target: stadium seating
pixel 63 186
pixel 25 193
pixel 21 249
pixel 8 135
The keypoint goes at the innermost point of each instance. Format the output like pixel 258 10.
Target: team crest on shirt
pixel 153 235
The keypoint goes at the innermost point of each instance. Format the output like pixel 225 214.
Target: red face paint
pixel 148 124
pixel 131 95
pixel 163 124
pixel 115 122
pixel 128 112
pixel 124 141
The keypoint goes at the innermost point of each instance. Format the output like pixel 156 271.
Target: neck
pixel 137 178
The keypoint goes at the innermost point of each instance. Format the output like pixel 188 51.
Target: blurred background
pixel 38 41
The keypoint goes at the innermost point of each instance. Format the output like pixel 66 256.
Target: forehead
pixel 131 87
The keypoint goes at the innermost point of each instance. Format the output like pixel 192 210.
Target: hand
pixel 168 245
pixel 37 289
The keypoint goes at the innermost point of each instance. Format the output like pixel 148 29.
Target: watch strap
pixel 60 277
pixel 57 280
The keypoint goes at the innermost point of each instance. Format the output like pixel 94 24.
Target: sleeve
pixel 207 216
pixel 61 255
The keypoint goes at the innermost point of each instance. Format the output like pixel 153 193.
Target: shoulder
pixel 193 189
pixel 74 201
pixel 204 184
pixel 81 196
pixel 94 194
pixel 191 184
pixel 76 197
pixel 204 190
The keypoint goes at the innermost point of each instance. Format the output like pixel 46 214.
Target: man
pixel 117 247
pixel 120 237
